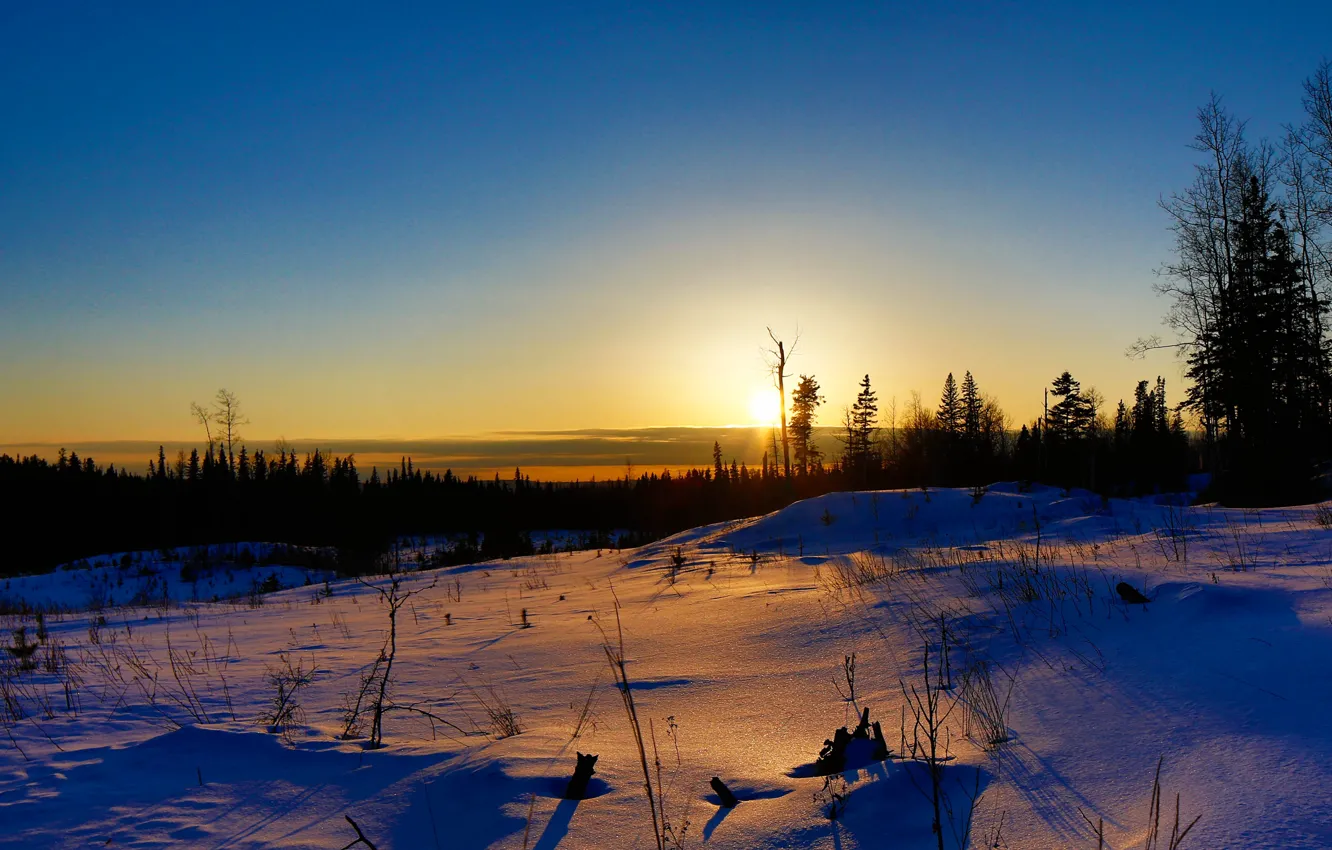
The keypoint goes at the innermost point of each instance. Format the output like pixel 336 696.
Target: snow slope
pixel 152 735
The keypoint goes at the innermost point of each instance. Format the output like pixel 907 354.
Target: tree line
pixel 72 508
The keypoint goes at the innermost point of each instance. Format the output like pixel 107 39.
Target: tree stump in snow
pixel 1130 594
pixel 832 758
pixel 577 787
pixel 728 799
pixel 863 727
pixel 880 745
pixel 866 743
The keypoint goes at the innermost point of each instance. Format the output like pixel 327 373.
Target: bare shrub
pixel 929 743
pixel 677 563
pixel 23 651
pixel 373 693
pixel 1323 515
pixel 499 712
pixel 284 707
pixel 849 676
pixel 394 597
pixel 857 570
pixel 831 798
pixel 354 702
pixel 985 711
pixel 533 580
pixel 672 834
pixel 1172 537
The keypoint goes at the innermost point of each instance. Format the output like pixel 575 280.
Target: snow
pixel 735 669
pixel 185 574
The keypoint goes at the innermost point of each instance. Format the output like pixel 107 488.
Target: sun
pixel 764 408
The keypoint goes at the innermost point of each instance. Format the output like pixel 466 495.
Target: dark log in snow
pixel 1130 594
pixel 728 799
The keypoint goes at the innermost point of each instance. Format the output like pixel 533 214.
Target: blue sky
pixel 451 219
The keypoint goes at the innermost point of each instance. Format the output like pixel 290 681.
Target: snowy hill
pixel 213 724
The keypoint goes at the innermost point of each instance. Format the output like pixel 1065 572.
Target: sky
pixel 442 220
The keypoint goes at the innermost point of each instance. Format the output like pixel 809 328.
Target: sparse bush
pixel 53 657
pixel 500 714
pixel 284 708
pixel 373 693
pixel 1172 537
pixel 985 712
pixel 1323 515
pixel 353 704
pixel 677 563
pixel 672 834
pixel 929 742
pixel 858 569
pixel 24 653
pixel 831 798
pixel 533 580
pixel 849 676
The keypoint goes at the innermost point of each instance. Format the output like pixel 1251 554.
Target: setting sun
pixel 764 408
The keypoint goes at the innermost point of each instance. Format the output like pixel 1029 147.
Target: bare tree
pixel 1316 135
pixel 1307 177
pixel 228 417
pixel 374 691
pixel 204 418
pixel 777 359
pixel 1198 280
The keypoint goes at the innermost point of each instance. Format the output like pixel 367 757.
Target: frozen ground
pixel 151 728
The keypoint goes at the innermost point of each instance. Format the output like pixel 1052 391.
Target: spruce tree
pixel 804 404
pixel 971 406
pixel 863 423
pixel 1070 417
pixel 951 416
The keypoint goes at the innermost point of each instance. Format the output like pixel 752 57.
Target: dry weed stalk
pixel 615 657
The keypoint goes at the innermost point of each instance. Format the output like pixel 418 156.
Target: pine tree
pixel 971 406
pixel 804 403
pixel 951 416
pixel 1144 410
pixel 1070 417
pixel 861 424
pixel 1160 408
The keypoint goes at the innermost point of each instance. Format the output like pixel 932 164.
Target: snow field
pixel 161 737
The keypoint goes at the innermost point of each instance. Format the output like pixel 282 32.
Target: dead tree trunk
pixel 777 363
pixel 728 799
